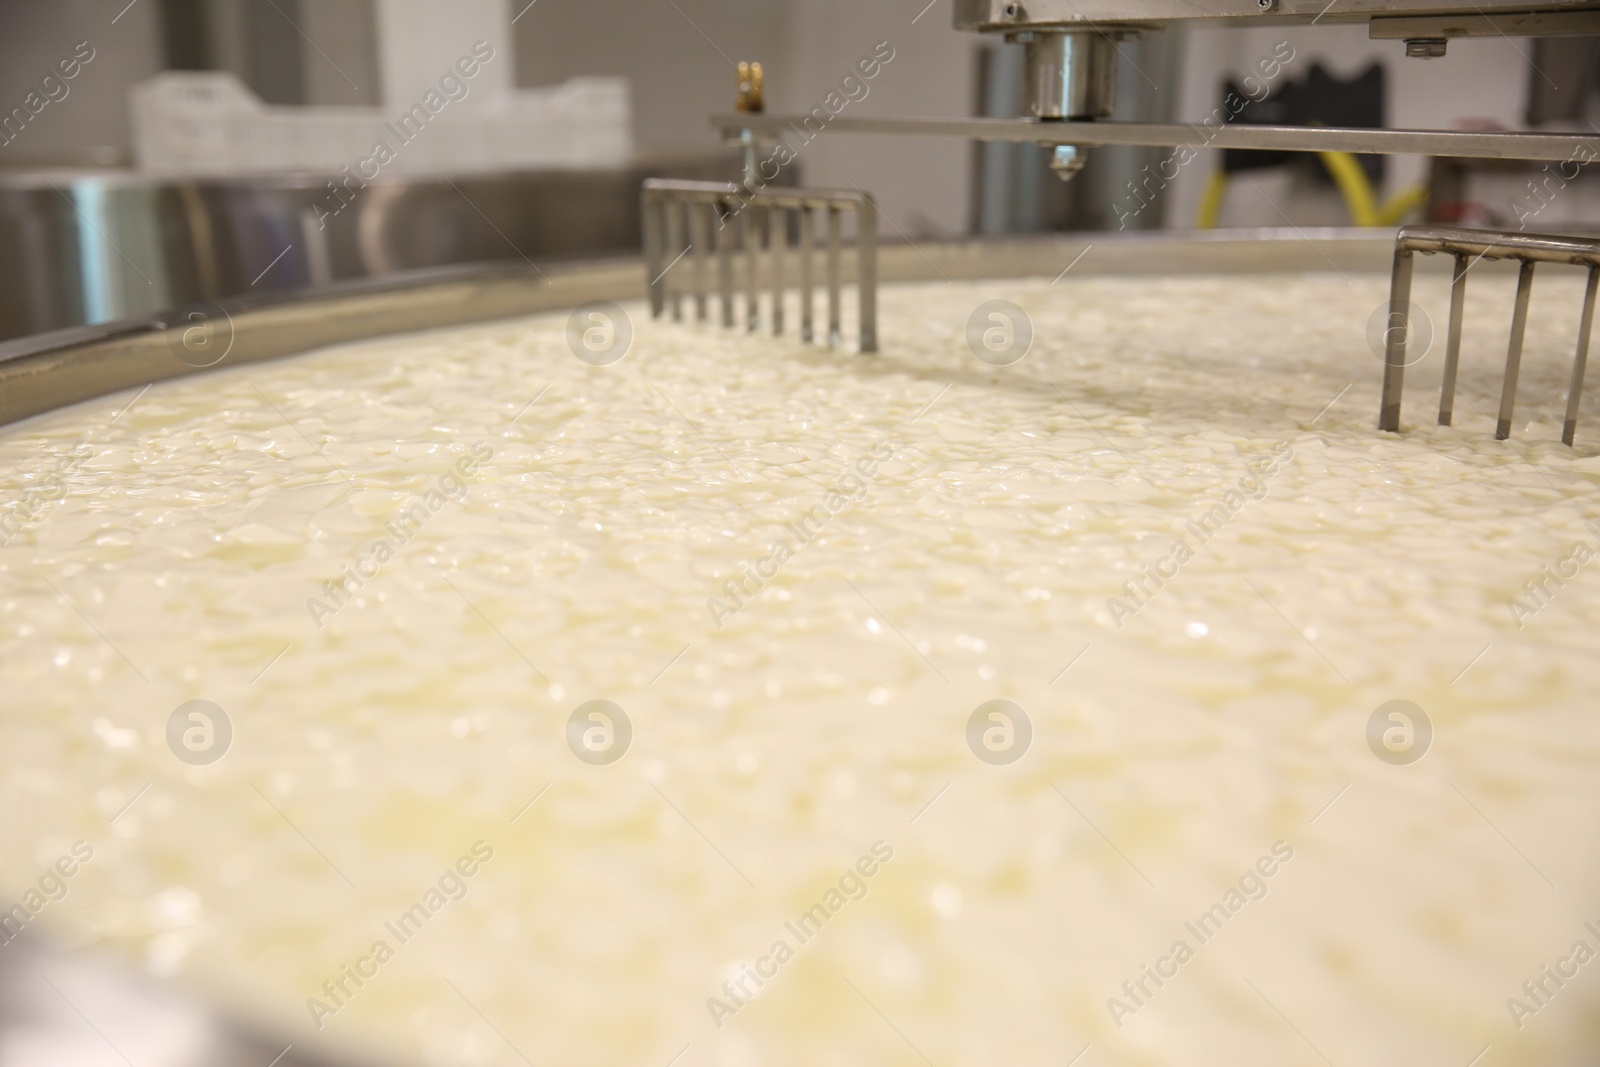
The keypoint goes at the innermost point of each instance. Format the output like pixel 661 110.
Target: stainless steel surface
pixel 835 328
pixel 1470 144
pixel 998 16
pixel 724 272
pixel 1452 349
pixel 1569 427
pixel 1399 322
pixel 1495 244
pixel 653 243
pixel 808 235
pixel 1070 75
pixel 777 231
pixel 48 996
pixel 1519 330
pixel 663 200
pixel 867 294
pixel 675 241
pixel 752 270
pixel 1576 23
pixel 700 234
pixel 1529 249
pixel 79 248
pixel 48 371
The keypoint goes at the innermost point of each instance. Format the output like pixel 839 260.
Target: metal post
pixel 752 294
pixel 1575 391
pixel 834 331
pixel 777 242
pixel 808 228
pixel 867 273
pixel 1394 360
pixel 698 234
pixel 1519 327
pixel 650 206
pixel 674 211
pixel 725 263
pixel 1452 347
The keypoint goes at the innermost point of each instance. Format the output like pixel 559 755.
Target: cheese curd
pixel 402 573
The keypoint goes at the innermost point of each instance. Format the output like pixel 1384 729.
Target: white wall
pixel 922 184
pixel 419 41
pixel 680 64
pixel 90 125
pixel 346 74
pixel 679 56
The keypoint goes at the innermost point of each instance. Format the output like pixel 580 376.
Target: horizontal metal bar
pixel 1484 244
pixel 1002 16
pixel 1474 144
pixel 681 186
pixel 723 192
pixel 1479 24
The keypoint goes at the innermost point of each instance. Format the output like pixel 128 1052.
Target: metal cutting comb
pixel 1468 247
pixel 680 216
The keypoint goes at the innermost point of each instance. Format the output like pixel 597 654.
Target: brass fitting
pixel 751 81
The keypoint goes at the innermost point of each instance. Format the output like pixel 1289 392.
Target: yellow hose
pixel 1354 187
pixel 1211 201
pixel 1402 204
pixel 1352 183
pixel 1365 210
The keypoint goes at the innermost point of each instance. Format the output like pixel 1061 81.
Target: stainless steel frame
pixel 88 247
pixel 51 370
pixel 1467 144
pixel 1469 247
pixel 1004 16
pixel 697 215
pixel 1071 47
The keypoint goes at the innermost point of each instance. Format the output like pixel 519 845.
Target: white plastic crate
pixel 210 124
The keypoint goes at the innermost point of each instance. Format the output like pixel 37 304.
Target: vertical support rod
pixel 1581 362
pixel 1519 327
pixel 867 272
pixel 699 233
pixel 752 294
pixel 1394 358
pixel 725 262
pixel 650 209
pixel 674 210
pixel 1452 346
pixel 808 232
pixel 777 244
pixel 834 331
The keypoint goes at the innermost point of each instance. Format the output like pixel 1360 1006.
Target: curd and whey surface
pixel 1198 773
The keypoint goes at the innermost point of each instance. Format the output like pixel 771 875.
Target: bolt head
pixel 1427 47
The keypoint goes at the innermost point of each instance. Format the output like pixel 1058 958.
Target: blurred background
pixel 162 152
